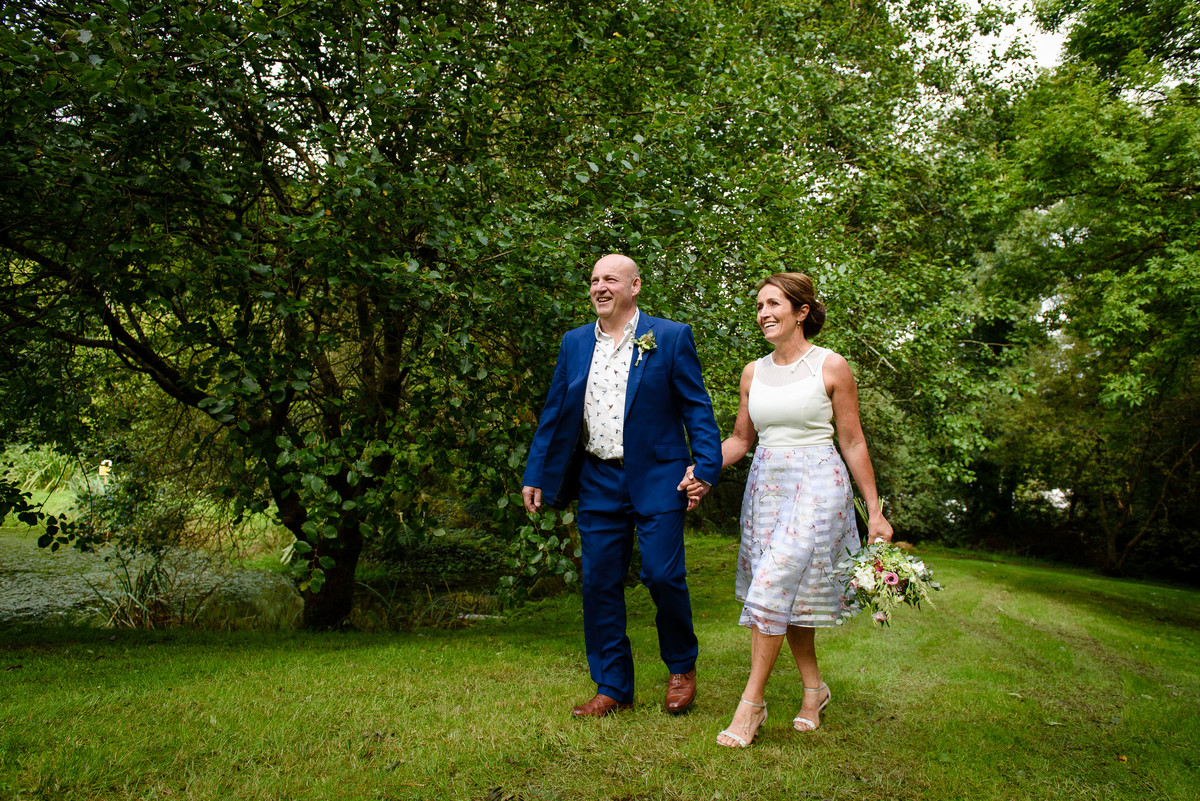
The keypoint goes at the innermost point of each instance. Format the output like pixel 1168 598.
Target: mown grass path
pixel 1025 682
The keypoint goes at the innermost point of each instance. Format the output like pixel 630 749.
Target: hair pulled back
pixel 798 288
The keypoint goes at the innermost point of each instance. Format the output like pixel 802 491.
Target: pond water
pixel 40 586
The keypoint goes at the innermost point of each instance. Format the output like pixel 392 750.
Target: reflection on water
pixel 37 586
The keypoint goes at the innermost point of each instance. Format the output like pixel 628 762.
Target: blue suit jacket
pixel 666 408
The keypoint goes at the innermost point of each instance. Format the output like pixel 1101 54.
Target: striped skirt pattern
pixel 797 525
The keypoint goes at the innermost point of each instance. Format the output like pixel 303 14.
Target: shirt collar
pixel 628 331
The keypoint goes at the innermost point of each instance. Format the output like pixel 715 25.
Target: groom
pixel 624 391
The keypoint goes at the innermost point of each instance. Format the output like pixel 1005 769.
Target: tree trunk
pixel 329 608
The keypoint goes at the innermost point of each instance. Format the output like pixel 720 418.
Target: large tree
pixel 349 233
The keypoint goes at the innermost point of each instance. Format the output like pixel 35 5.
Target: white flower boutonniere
pixel 645 343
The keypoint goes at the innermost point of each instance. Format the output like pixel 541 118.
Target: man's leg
pixel 660 538
pixel 607 541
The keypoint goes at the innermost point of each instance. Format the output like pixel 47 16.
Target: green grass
pixel 53 503
pixel 1024 683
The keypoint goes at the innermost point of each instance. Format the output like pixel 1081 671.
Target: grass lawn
pixel 1026 682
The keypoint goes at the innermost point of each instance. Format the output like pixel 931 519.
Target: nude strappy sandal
pixel 740 742
pixel 804 724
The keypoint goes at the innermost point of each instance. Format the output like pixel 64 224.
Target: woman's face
pixel 777 320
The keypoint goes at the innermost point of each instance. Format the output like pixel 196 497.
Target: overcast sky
pixel 1047 48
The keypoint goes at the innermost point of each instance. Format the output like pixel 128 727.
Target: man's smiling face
pixel 615 286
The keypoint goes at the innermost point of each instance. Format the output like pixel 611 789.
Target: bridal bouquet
pixel 882 578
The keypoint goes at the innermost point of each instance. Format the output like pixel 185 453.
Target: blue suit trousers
pixel 607 525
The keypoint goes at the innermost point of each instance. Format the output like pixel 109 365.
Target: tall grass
pixel 147 593
pixel 1024 682
pixel 40 468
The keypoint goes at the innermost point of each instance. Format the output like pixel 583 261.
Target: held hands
pixel 696 489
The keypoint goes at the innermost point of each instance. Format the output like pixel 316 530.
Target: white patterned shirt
pixel 604 399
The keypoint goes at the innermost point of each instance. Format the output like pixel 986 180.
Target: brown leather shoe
pixel 598 707
pixel 681 691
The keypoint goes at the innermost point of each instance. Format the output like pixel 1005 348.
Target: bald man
pixel 626 414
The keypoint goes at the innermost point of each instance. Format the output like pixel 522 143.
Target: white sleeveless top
pixel 789 405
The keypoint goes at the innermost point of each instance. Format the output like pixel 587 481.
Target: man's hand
pixel 533 499
pixel 696 489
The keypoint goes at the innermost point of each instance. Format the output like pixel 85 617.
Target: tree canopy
pixel 342 238
pixel 347 233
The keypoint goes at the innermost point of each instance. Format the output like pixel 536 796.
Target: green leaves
pixel 352 238
pixel 1161 36
pixel 17 502
pixel 535 553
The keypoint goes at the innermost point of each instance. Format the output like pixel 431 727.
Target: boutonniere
pixel 645 343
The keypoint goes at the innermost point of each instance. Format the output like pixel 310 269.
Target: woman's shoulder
pixel 835 366
pixel 751 368
pixel 828 355
pixel 747 376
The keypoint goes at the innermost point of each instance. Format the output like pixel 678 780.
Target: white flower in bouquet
pixel 863 579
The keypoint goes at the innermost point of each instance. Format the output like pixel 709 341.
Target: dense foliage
pixel 339 241
pixel 1099 255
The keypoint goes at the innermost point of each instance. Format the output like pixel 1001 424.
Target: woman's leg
pixel 764 649
pixel 802 641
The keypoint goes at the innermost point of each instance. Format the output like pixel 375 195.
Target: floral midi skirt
pixel 797 525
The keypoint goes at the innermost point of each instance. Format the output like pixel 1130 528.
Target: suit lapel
pixel 645 323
